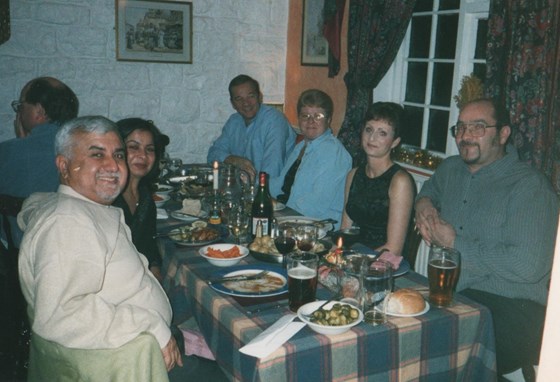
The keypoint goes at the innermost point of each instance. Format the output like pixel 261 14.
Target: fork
pixel 255 276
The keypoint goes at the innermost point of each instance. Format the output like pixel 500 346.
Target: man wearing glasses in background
pixel 502 215
pixel 27 162
pixel 256 138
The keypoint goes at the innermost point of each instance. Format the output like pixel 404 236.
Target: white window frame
pixel 392 87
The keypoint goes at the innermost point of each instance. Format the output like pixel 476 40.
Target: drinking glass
pixel 238 223
pixel 302 278
pixel 285 242
pixel 444 267
pixel 377 284
pixel 175 164
pixel 306 236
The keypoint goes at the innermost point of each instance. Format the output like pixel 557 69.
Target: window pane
pixel 441 84
pixel 437 130
pixel 479 70
pixel 411 133
pixel 416 82
pixel 446 37
pixel 423 5
pixel 445 5
pixel 481 35
pixel 420 37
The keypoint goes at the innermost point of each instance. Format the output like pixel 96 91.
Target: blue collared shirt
pixel 318 189
pixel 266 142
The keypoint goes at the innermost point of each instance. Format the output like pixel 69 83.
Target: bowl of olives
pixel 334 318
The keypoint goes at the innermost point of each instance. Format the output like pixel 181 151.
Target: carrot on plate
pixel 226 254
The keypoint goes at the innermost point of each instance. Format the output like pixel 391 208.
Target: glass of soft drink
pixel 306 236
pixel 302 278
pixel 377 282
pixel 444 267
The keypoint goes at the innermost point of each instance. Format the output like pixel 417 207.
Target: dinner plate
pixel 220 229
pixel 279 206
pixel 278 258
pixel 277 279
pixel 297 220
pixel 424 311
pixel 177 215
pixel 404 266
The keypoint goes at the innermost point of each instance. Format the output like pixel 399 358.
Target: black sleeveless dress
pixel 368 205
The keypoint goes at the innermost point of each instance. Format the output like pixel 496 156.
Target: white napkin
pixel 272 338
pixel 161 213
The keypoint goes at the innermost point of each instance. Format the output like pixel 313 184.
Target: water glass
pixel 377 284
pixel 238 223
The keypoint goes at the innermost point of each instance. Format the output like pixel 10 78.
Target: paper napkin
pixel 272 338
pixel 161 214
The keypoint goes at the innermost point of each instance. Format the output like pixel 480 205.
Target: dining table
pixel 454 343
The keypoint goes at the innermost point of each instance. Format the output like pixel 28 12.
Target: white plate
pixel 309 308
pixel 279 206
pixel 179 179
pixel 251 269
pixel 322 232
pixel 188 219
pixel 426 309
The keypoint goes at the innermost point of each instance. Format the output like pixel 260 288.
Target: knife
pixel 253 276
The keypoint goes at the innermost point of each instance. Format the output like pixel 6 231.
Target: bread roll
pixel 406 301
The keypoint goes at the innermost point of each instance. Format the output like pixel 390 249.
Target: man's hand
pixel 243 164
pixel 171 354
pixel 426 213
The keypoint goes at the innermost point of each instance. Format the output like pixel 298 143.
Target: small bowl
pixel 324 329
pixel 223 247
pixel 350 236
pixel 160 199
pixel 163 189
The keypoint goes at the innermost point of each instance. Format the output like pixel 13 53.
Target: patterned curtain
pixel 523 71
pixel 375 32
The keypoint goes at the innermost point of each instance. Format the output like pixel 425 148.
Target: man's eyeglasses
pixel 476 129
pixel 317 117
pixel 16 105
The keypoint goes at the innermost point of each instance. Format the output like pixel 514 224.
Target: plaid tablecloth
pixel 450 344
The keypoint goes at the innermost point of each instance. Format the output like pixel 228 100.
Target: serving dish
pixel 278 257
pixel 304 312
pixel 273 284
pixel 184 236
pixel 223 262
pixel 160 199
pixel 303 220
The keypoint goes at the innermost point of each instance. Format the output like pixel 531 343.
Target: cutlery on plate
pixel 185 214
pixel 251 276
pixel 333 298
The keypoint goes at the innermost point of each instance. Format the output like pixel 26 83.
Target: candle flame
pixel 339 242
pixel 215 165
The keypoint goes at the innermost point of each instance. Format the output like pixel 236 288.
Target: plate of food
pixel 405 302
pixel 274 283
pixel 180 215
pixel 352 260
pixel 264 249
pixel 295 221
pixel 194 235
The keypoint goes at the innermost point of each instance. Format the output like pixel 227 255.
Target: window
pixel 446 40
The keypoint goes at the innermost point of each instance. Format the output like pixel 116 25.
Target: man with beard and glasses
pixel 96 311
pixel 501 214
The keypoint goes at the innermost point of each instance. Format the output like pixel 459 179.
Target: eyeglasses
pixel 476 129
pixel 317 117
pixel 16 105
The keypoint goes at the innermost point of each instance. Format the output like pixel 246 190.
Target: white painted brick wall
pixel 74 40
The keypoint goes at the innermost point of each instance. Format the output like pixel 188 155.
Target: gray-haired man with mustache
pixel 91 299
pixel 502 215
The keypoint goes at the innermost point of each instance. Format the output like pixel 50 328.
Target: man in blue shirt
pixel 27 162
pixel 256 138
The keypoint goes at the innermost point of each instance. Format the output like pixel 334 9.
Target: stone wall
pixel 74 40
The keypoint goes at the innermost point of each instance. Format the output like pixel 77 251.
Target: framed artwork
pixel 154 31
pixel 314 47
pixel 4 21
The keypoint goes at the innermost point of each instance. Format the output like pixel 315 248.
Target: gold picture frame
pixel 154 31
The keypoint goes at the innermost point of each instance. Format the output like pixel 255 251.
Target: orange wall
pixel 300 78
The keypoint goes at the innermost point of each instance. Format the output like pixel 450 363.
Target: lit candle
pixel 339 242
pixel 215 173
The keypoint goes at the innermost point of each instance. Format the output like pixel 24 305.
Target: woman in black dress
pixel 145 145
pixel 379 193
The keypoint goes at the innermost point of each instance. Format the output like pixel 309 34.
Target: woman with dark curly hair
pixel 145 145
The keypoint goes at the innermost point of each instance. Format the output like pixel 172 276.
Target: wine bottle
pixel 261 209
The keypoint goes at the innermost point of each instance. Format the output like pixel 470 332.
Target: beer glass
pixel 302 278
pixel 377 284
pixel 444 267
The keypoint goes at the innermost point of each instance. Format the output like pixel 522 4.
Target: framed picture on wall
pixel 314 47
pixel 154 31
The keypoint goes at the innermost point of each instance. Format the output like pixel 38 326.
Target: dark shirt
pixel 368 205
pixel 142 224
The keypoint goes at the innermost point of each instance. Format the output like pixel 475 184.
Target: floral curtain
pixel 375 32
pixel 523 71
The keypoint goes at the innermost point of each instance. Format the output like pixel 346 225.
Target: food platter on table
pixel 321 248
pixel 302 220
pixel 198 233
pixel 187 218
pixel 272 284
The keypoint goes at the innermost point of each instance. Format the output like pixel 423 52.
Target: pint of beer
pixel 444 267
pixel 302 278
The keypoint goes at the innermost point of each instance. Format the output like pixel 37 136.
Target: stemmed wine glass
pixel 238 223
pixel 306 236
pixel 285 242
